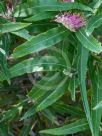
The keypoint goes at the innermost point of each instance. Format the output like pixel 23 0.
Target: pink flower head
pixel 71 21
pixel 68 0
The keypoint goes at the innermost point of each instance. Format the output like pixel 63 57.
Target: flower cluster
pixel 71 21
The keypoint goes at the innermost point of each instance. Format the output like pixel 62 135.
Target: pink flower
pixel 71 21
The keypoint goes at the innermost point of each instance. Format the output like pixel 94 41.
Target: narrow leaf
pixel 40 16
pixel 93 23
pixel 3 129
pixel 46 63
pixel 98 106
pixel 24 10
pixel 88 42
pixel 65 108
pixel 72 128
pixel 40 88
pixel 53 96
pixel 12 26
pixel 82 67
pixel 96 79
pixel 27 128
pixel 3 56
pixel 40 42
pixel 23 34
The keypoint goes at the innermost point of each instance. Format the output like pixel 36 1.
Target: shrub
pixel 50 67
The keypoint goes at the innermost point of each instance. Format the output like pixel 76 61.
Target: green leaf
pixel 3 56
pixel 3 129
pixel 88 42
pixel 93 23
pixel 65 108
pixel 73 84
pixel 31 111
pixel 46 63
pixel 39 27
pixel 82 67
pixel 54 95
pixel 95 5
pixel 10 114
pixel 40 16
pixel 40 88
pixel 96 79
pixel 2 8
pixel 23 34
pixel 40 42
pixel 74 81
pixel 27 128
pixel 12 26
pixel 98 106
pixel 62 7
pixel 24 9
pixel 79 125
pixel 50 116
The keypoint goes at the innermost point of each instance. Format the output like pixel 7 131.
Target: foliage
pixel 50 71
